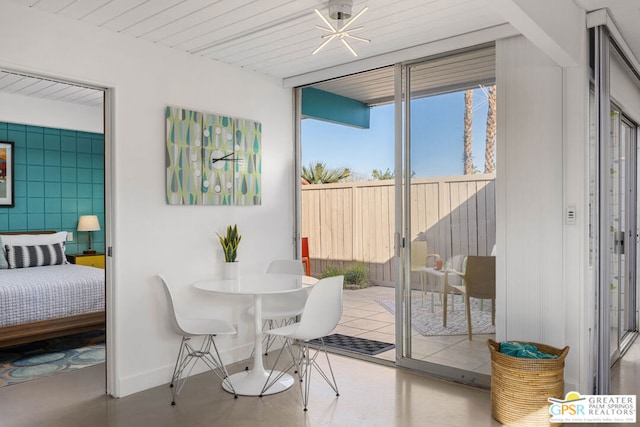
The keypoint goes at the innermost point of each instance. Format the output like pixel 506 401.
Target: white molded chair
pixel 286 266
pixel 321 315
pixel 285 306
pixel 189 327
pixel 278 310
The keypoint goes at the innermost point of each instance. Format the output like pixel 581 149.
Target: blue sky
pixel 437 135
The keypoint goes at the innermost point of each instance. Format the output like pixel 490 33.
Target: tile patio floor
pixel 364 317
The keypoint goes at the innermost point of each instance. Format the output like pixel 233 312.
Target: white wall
pixel 530 146
pixel 150 236
pixel 43 112
pixel 541 143
pixel 556 27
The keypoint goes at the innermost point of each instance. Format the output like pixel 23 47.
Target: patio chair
pixel 479 282
pixel 305 256
pixel 456 263
pixel 420 262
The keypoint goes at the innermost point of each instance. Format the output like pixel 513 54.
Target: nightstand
pixel 92 260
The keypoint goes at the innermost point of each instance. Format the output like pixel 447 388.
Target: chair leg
pixel 178 362
pixel 304 363
pixel 268 338
pixel 214 361
pixel 467 302
pixel 187 357
pixel 432 292
pixel 185 360
pixel 493 312
pixel 311 362
pixel 332 382
pixel 444 309
pixel 306 376
pixel 294 362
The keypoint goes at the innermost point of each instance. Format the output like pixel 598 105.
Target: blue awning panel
pixel 321 105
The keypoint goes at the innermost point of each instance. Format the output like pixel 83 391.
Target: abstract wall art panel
pixel 212 159
pixel 249 169
pixel 184 156
pixel 219 156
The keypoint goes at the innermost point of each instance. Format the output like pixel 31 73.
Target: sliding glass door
pixel 623 236
pixel 447 147
pixel 614 202
pixel 428 212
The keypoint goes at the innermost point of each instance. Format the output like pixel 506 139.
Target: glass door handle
pixel 397 244
pixel 619 242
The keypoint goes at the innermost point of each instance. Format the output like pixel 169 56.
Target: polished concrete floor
pixel 370 395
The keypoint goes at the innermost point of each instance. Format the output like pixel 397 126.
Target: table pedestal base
pixel 250 383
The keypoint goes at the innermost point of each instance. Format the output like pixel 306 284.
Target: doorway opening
pixel 57 133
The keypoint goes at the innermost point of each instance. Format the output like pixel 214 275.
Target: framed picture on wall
pixel 6 174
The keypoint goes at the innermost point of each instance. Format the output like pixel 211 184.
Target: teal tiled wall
pixel 59 175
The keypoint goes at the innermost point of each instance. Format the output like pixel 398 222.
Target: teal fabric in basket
pixel 526 351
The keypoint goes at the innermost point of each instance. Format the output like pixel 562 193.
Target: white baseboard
pixel 161 376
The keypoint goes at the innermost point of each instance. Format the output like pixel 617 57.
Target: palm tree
pixel 489 154
pixel 319 174
pixel 379 175
pixel 468 117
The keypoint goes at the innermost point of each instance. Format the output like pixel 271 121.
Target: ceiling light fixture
pixel 340 10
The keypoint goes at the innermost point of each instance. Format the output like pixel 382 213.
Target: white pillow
pixel 32 239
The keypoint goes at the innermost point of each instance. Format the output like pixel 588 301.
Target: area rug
pixel 429 323
pixel 44 358
pixel 359 345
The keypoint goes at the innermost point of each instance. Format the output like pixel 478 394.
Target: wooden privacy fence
pixel 354 221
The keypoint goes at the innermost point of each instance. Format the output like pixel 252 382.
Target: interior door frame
pixel 108 106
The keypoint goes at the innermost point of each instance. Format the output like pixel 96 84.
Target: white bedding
pixel 42 293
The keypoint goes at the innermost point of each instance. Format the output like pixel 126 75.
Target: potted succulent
pixel 230 242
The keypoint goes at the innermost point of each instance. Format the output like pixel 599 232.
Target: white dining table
pixel 251 382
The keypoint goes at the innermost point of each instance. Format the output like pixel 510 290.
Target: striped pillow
pixel 35 256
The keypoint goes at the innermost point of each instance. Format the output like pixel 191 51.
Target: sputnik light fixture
pixel 340 10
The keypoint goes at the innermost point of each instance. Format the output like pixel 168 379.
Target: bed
pixel 42 302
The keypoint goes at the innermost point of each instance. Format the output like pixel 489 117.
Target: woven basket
pixel 520 387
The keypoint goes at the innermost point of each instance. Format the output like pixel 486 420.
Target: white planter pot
pixel 230 270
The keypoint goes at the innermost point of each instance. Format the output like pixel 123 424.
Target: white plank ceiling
pixel 18 84
pixel 276 37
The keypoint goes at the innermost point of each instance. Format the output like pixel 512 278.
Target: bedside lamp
pixel 88 223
